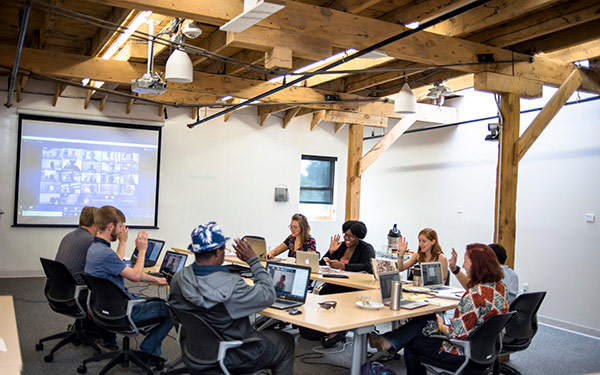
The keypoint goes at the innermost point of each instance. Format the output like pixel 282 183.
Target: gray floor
pixel 553 351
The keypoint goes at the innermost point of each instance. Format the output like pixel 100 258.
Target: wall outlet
pixel 590 218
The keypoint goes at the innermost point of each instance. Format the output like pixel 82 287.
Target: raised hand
pixel 402 246
pixel 243 250
pixel 141 241
pixel 124 234
pixel 335 243
pixel 452 260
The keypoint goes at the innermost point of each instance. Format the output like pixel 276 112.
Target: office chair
pixel 522 327
pixel 206 356
pixel 67 298
pixel 481 349
pixel 110 308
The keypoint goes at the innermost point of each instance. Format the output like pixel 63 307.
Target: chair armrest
pixel 78 290
pixel 130 305
pixel 224 346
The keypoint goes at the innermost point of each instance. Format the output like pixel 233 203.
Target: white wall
pixel 424 177
pixel 219 171
pixel 227 172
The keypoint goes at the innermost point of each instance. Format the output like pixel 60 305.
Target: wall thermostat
pixel 281 194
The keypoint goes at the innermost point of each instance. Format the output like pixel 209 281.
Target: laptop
pixel 290 282
pixel 152 253
pixel 172 263
pixel 309 259
pixel 385 287
pixel 259 244
pixel 432 275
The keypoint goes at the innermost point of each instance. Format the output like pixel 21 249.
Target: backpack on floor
pixel 375 368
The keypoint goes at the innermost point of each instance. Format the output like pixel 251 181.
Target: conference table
pixel 10 360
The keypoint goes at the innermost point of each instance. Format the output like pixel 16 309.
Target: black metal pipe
pixel 436 127
pixel 15 70
pixel 406 33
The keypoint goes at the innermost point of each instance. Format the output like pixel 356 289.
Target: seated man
pixel 510 277
pixel 103 262
pixel 225 301
pixel 73 248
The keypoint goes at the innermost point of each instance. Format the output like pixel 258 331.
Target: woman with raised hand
pixel 485 297
pixel 429 251
pixel 299 239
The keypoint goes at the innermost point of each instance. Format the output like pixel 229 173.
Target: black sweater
pixel 360 259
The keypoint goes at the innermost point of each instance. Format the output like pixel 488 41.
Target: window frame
pixel 332 160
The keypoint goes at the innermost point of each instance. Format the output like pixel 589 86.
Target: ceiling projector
pixel 150 84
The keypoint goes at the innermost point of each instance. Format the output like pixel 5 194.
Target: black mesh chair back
pixel 524 324
pixel 60 289
pixel 108 304
pixel 486 340
pixel 203 352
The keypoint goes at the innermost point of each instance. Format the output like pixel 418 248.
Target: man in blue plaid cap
pixel 225 301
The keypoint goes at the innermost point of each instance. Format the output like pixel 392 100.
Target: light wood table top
pixel 356 280
pixel 10 361
pixel 347 315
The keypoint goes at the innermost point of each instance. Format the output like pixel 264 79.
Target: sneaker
pixel 379 342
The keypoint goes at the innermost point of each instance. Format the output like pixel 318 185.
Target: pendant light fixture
pixel 406 102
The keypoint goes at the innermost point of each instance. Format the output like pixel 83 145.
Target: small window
pixel 317 179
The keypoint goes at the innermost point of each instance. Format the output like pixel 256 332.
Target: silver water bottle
pixel 396 295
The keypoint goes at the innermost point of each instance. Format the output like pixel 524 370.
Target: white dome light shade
pixel 406 102
pixel 179 68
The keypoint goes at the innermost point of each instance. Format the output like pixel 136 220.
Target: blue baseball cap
pixel 207 238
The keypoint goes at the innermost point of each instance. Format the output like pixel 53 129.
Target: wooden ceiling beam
pixel 421 11
pixel 353 6
pixel 560 17
pixel 103 36
pixel 215 42
pixel 559 40
pixel 48 24
pixel 503 84
pixel 249 56
pixel 347 30
pixel 583 51
pixel 493 13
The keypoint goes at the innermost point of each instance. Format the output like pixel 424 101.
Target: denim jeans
pixel 151 310
pixel 402 335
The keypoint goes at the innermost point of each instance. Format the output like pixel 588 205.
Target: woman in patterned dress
pixel 299 240
pixel 485 297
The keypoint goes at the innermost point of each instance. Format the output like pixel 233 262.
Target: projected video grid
pixel 74 176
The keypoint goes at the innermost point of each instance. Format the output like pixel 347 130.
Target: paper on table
pixel 3 347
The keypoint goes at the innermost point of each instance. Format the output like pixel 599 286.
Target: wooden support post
pixel 355 144
pixel 316 119
pixel 506 177
pixel 231 101
pixel 194 112
pixel 278 57
pixel 21 81
pixel 103 102
pixel 129 105
pixel 88 96
pixel 161 110
pixel 572 83
pixel 385 143
pixel 59 90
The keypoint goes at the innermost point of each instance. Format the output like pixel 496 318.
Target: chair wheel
pixel 39 346
pixel 49 358
pixel 82 369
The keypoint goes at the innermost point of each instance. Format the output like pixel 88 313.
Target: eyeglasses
pixel 328 304
pixel 349 236
pixel 293 227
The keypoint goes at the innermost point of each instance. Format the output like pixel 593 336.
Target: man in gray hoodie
pixel 225 301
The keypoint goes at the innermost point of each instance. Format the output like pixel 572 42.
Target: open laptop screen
pixel 172 262
pixel 385 284
pixel 432 274
pixel 152 253
pixel 290 281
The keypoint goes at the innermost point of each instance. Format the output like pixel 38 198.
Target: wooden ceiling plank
pixel 503 84
pixel 493 13
pixel 583 51
pixel 215 42
pixel 353 6
pixel 48 24
pixel 422 11
pixel 385 142
pixel 103 36
pixel 356 64
pixel 249 56
pixel 567 15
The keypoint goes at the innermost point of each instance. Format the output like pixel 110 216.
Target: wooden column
pixel 355 144
pixel 506 177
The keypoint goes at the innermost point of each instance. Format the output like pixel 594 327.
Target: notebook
pixel 152 252
pixel 385 287
pixel 309 259
pixel 259 244
pixel 172 263
pixel 290 282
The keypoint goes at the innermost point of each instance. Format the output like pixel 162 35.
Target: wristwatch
pixel 456 270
